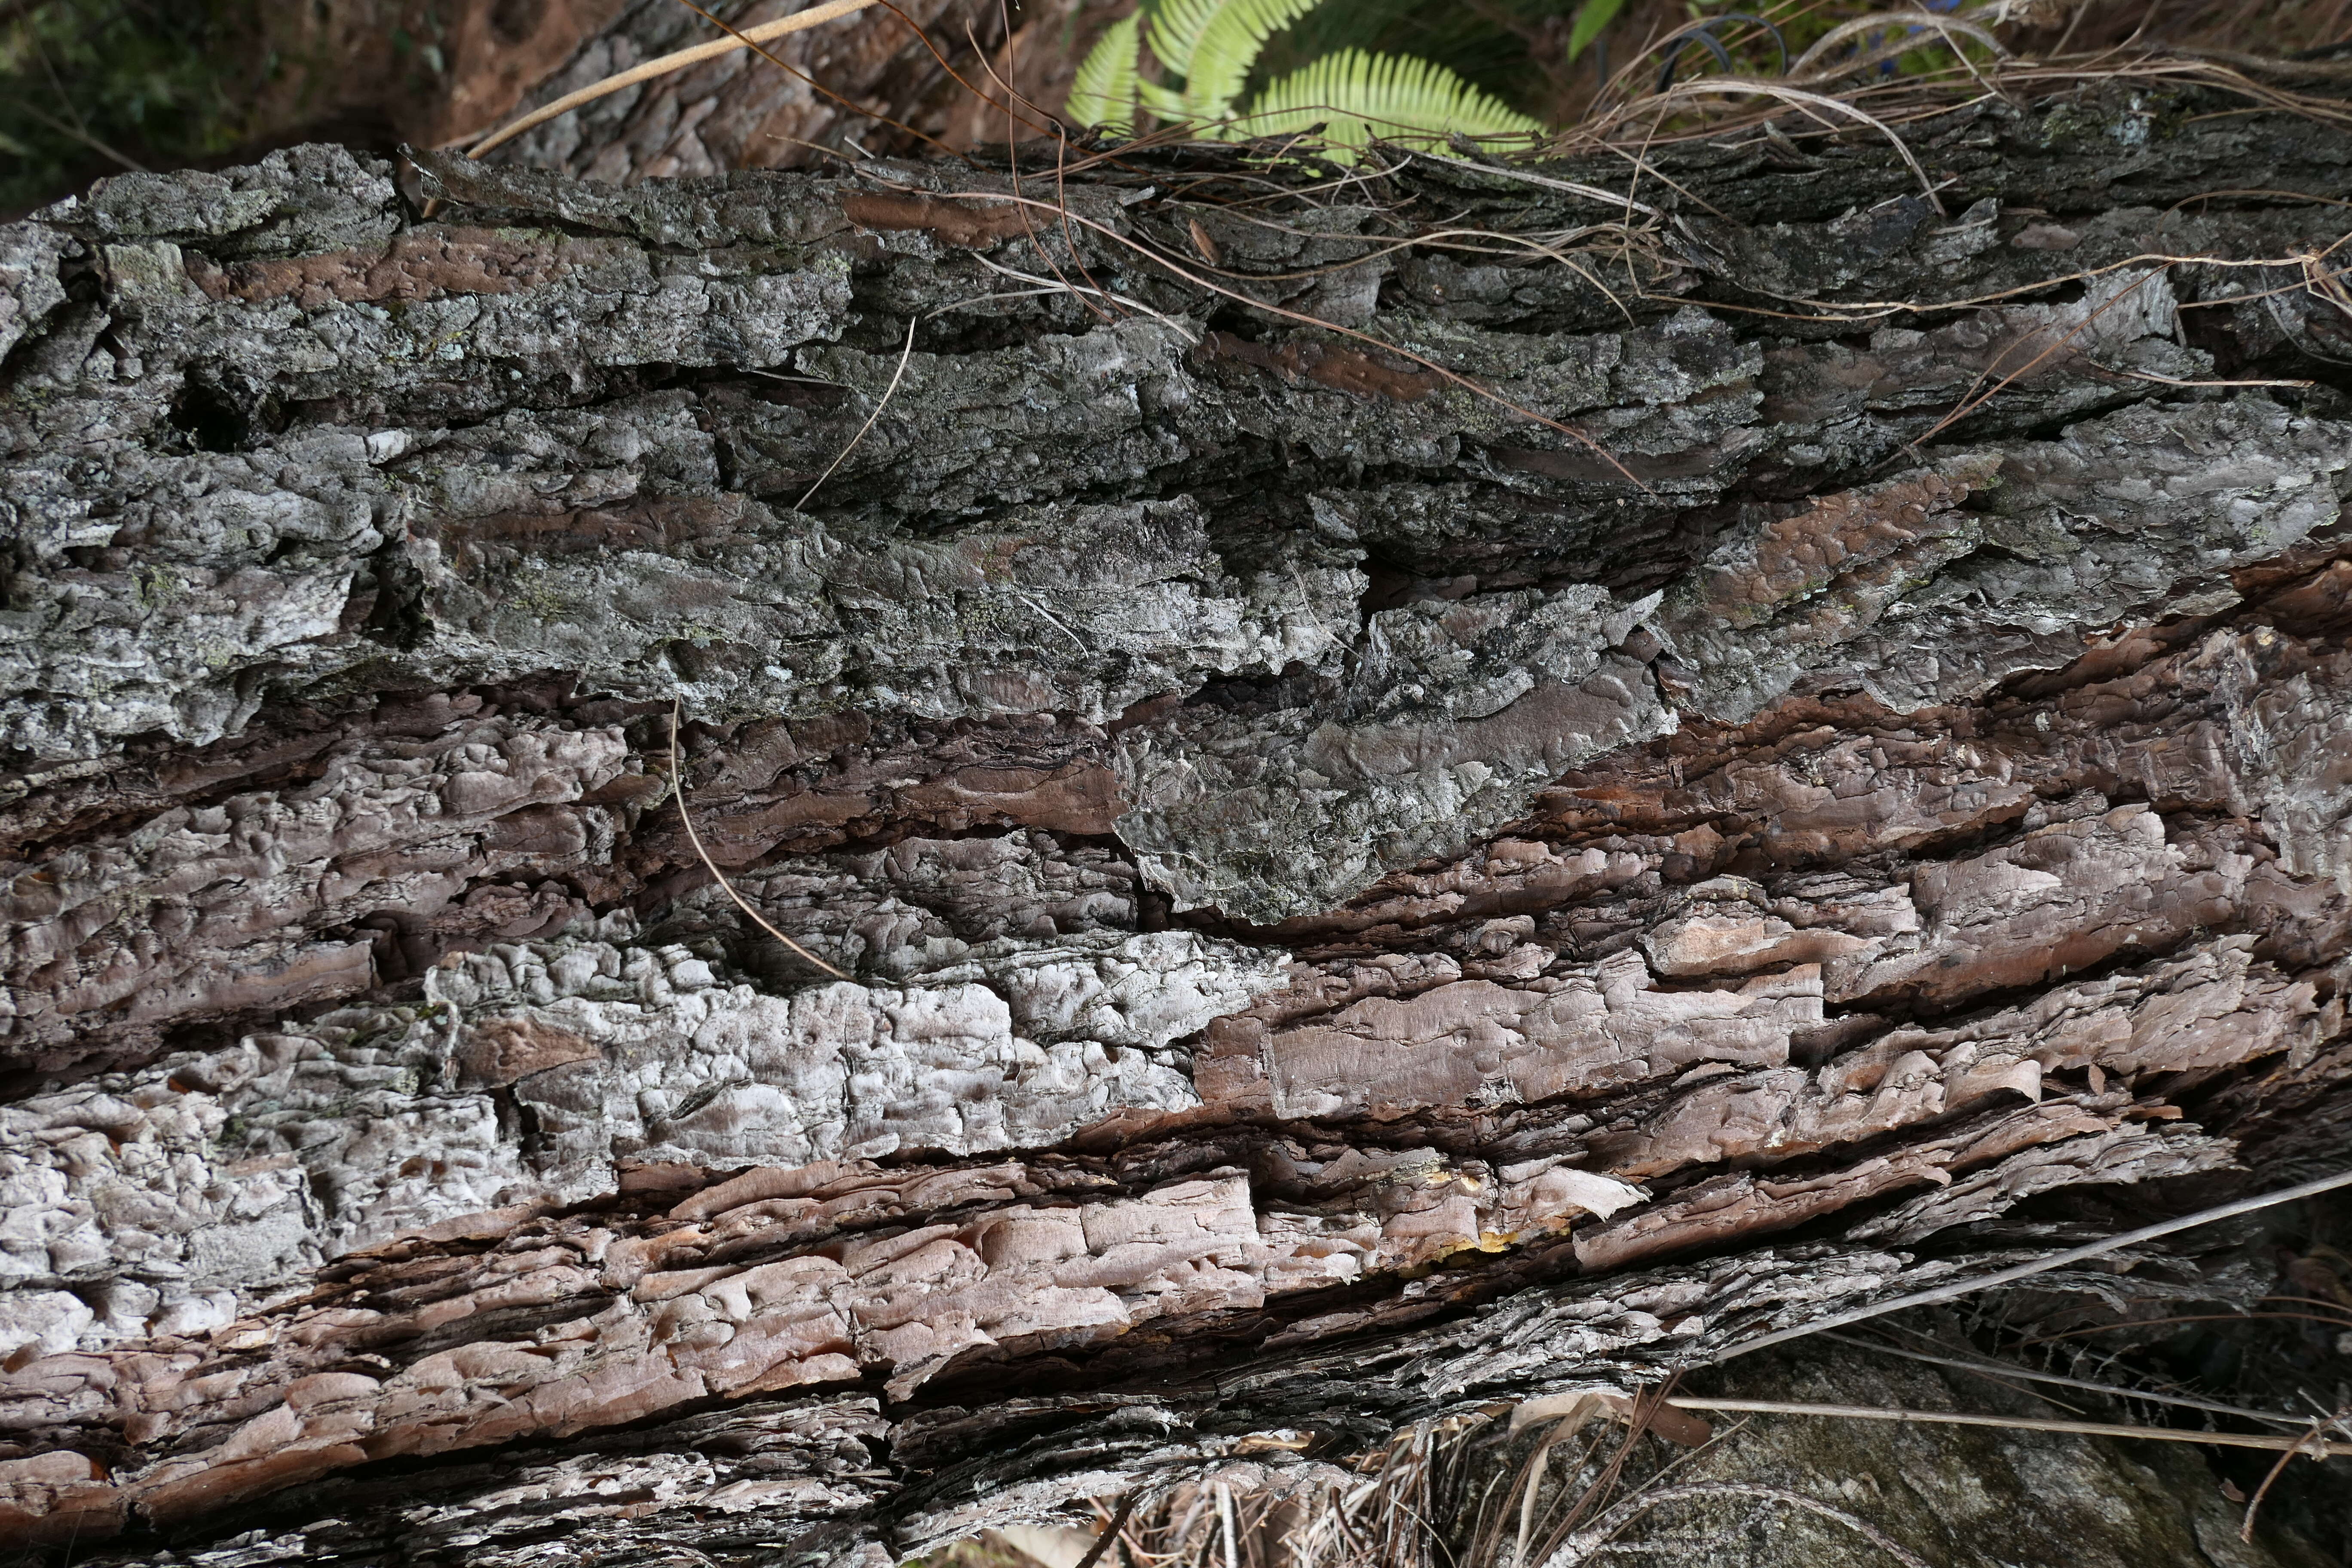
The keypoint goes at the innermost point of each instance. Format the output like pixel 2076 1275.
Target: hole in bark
pixel 210 418
pixel 786 392
pixel 395 612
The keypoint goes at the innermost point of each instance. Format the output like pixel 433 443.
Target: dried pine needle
pixel 888 393
pixel 678 782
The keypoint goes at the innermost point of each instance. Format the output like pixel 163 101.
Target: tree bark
pixel 1416 827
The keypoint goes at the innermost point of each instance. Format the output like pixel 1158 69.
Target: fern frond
pixel 1228 43
pixel 1356 96
pixel 1104 91
pixel 1165 103
pixel 1176 29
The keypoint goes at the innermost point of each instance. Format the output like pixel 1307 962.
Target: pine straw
pixel 2307 1444
pixel 1438 1494
pixel 1441 1495
pixel 1417 1504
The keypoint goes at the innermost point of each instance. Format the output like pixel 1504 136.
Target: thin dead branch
pixel 1999 1371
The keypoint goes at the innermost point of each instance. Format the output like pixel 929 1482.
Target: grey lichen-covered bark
pixel 1492 845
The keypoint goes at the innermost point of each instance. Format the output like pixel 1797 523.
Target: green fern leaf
pixel 1357 96
pixel 1229 44
pixel 1104 91
pixel 1176 29
pixel 1591 19
pixel 1165 103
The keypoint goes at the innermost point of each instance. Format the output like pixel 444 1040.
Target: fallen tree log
pixel 1434 789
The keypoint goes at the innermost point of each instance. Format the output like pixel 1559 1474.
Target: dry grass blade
pixel 2185 1318
pixel 800 21
pixel 678 782
pixel 2013 1423
pixel 1189 275
pixel 1528 176
pixel 2290 70
pixel 1048 286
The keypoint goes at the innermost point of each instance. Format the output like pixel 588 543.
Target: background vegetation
pixel 92 87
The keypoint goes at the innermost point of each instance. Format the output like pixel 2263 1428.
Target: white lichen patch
pixel 630 1053
pixel 163 1200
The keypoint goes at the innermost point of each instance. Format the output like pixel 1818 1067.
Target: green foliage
pixel 1212 49
pixel 1211 44
pixel 1592 17
pixel 143 79
pixel 1357 96
pixel 1104 91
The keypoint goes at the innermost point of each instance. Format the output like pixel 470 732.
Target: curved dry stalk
pixel 2304 1443
pixel 678 782
pixel 799 22
pixel 1722 87
pixel 2307 1444
pixel 1047 286
pixel 1801 73
pixel 1973 400
pixel 904 356
pixel 1935 93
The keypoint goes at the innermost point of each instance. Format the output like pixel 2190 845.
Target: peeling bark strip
pixel 1356 911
